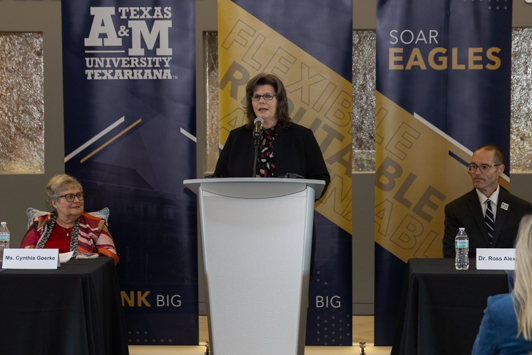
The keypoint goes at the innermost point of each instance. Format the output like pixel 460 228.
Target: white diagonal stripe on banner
pixel 188 135
pixel 94 139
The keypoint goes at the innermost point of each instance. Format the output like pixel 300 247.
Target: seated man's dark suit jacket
pixel 466 212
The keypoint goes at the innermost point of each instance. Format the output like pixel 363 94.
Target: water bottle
pixel 4 239
pixel 461 243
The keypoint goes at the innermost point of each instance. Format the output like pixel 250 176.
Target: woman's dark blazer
pixel 295 150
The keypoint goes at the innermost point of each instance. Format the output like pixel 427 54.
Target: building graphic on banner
pixel 129 107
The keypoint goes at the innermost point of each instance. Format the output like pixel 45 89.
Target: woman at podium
pixel 68 227
pixel 270 144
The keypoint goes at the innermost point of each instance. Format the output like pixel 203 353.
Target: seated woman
pixel 69 228
pixel 507 324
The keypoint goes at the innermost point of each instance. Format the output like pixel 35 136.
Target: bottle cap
pixel 461 228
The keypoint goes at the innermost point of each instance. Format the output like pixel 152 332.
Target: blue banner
pixel 443 89
pixel 129 113
pixel 308 45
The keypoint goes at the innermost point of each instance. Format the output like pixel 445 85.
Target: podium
pixel 257 238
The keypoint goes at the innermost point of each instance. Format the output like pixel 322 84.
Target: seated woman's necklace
pixel 66 230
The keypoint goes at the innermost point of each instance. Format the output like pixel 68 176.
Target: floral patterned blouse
pixel 265 158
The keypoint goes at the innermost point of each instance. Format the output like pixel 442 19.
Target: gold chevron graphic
pixel 419 169
pixel 320 98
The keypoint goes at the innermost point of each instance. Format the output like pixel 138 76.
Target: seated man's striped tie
pixel 490 221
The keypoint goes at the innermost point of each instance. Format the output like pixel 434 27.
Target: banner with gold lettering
pixel 443 89
pixel 307 44
pixel 130 113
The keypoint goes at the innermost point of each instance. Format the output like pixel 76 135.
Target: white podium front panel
pixel 257 261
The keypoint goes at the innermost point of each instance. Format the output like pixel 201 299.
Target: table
pixel 441 308
pixel 75 309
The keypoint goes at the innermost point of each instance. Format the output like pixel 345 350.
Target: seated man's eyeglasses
pixel 267 97
pixel 71 197
pixel 484 168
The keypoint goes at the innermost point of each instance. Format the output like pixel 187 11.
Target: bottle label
pixel 461 244
pixel 4 237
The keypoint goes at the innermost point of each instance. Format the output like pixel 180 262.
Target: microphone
pixel 257 130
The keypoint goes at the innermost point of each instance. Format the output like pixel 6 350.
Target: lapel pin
pixel 505 206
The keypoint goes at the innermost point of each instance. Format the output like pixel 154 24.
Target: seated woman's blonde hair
pixel 522 293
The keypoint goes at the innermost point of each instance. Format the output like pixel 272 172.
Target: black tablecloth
pixel 441 308
pixel 75 309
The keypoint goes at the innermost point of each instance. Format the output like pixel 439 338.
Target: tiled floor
pixel 362 332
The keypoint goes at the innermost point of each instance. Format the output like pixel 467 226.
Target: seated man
pixel 489 213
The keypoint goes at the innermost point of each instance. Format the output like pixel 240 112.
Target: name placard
pixel 30 259
pixel 495 259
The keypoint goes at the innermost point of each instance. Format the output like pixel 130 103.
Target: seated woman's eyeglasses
pixel 267 97
pixel 484 168
pixel 71 197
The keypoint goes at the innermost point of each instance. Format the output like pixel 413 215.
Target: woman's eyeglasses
pixel 71 197
pixel 267 97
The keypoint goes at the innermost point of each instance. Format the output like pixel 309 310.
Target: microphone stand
pixel 257 142
pixel 257 134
